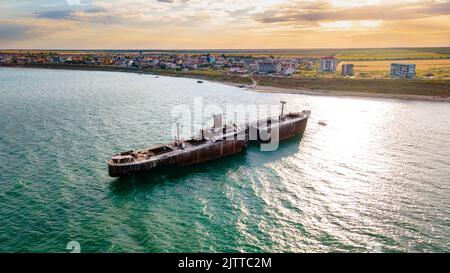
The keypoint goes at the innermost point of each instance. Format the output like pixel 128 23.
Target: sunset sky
pixel 210 24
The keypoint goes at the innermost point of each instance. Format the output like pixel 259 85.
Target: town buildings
pixel 234 64
pixel 189 65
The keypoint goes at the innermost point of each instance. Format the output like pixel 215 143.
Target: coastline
pixel 271 89
pixel 242 82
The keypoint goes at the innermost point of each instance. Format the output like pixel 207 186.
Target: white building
pixel 403 70
pixel 347 69
pixel 328 64
pixel 128 64
pixel 252 67
pixel 269 67
pixel 189 65
pixel 292 63
pixel 235 69
pixel 171 65
pixel 288 71
pixel 309 65
pixel 153 62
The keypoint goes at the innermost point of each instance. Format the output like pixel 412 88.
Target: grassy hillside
pixel 402 87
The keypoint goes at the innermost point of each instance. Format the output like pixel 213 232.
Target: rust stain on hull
pixel 194 156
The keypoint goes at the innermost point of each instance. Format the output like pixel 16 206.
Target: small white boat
pixel 323 123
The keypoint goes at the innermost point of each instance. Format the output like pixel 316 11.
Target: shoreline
pixel 250 87
pixel 332 93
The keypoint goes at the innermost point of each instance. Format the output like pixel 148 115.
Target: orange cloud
pixel 230 24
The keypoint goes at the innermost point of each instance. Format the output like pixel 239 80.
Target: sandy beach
pixel 270 89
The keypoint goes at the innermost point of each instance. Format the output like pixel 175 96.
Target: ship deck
pixel 285 119
pixel 157 152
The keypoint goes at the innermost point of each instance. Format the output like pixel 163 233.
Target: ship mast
pixel 282 109
pixel 178 131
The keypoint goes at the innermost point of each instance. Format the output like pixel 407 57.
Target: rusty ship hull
pixel 175 158
pixel 214 143
pixel 287 126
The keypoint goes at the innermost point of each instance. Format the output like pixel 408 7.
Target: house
pixel 291 63
pixel 211 59
pixel 57 59
pixel 153 62
pixel 129 64
pixel 107 61
pixel 309 65
pixel 236 69
pixel 171 65
pixel 288 71
pixel 141 63
pixel 189 65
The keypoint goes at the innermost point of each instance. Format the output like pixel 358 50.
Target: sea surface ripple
pixel 376 179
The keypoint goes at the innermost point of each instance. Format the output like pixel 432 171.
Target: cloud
pixel 96 10
pixel 14 31
pixel 54 14
pixel 226 23
pixel 324 11
pixel 139 13
pixel 92 15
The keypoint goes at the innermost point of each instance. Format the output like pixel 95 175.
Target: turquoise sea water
pixel 377 178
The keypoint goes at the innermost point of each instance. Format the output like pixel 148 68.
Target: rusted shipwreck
pixel 216 142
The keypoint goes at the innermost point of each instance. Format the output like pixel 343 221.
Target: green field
pixel 394 54
pixel 440 88
pixel 351 54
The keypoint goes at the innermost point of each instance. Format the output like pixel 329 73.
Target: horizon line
pixel 219 49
